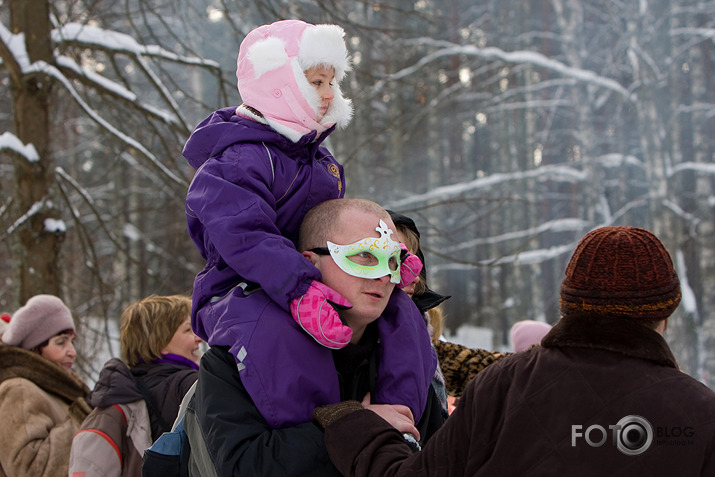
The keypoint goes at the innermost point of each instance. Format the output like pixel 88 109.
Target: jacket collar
pixel 16 362
pixel 615 334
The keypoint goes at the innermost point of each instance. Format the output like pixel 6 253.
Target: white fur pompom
pixel 267 55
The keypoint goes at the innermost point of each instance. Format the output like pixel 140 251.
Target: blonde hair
pixel 147 326
pixel 436 320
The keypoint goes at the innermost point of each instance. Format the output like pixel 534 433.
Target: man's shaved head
pixel 323 220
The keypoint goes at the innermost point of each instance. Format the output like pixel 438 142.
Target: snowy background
pixel 506 129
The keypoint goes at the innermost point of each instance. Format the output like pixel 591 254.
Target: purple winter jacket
pixel 244 207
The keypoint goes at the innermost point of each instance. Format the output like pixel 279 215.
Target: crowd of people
pixel 325 348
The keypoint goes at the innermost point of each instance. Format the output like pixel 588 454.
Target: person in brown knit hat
pixel 42 400
pixel 621 271
pixel 602 395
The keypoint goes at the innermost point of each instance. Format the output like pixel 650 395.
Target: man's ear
pixel 662 326
pixel 312 256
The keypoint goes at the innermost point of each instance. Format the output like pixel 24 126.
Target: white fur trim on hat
pixel 324 45
pixel 42 317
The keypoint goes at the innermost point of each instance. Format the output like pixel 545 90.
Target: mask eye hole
pixel 392 263
pixel 364 259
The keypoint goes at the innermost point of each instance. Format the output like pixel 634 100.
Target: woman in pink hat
pixel 42 400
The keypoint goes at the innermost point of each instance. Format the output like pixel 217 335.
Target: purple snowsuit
pixel 244 207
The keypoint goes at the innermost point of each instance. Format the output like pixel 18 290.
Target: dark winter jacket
pixel 41 407
pixel 241 442
pixel 535 412
pixel 112 440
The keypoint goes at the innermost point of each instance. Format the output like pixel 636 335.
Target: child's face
pixel 321 78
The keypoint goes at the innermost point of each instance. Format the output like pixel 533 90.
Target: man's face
pixel 368 296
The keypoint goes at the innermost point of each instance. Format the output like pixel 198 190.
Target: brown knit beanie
pixel 621 271
pixel 42 317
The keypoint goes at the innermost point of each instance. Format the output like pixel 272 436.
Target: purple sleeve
pixel 231 197
pixel 407 360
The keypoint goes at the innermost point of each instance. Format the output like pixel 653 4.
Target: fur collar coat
pixel 41 407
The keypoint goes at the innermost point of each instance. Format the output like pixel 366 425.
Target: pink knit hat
pixel 526 333
pixel 42 317
pixel 270 66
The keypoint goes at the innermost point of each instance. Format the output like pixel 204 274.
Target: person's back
pixel 602 395
pixel 137 399
pixel 565 401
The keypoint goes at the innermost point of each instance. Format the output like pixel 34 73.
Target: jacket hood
pixel 115 385
pixel 270 78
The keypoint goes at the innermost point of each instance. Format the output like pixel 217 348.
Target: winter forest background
pixel 507 129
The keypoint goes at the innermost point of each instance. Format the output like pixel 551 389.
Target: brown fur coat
pixel 41 408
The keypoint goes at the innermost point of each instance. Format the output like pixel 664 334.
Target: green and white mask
pixel 370 257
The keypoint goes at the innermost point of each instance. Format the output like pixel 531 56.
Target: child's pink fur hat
pixel 270 66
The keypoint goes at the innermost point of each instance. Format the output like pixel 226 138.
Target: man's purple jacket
pixel 244 208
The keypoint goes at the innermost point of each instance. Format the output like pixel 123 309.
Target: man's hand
pixel 397 415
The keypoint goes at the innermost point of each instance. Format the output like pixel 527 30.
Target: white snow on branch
pixel 688 301
pixel 698 107
pixel 112 40
pixel 131 232
pixel 692 166
pixel 704 32
pixel 89 36
pixel 558 225
pixel 57 74
pixel 8 141
pixel 444 193
pixel 618 160
pixel 115 88
pixel 55 226
pixel 35 208
pixel 516 57
pixel 530 257
pixel 16 45
pixel 692 219
pixel 101 81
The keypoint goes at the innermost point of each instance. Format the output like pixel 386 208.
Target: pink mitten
pixel 316 314
pixel 410 268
